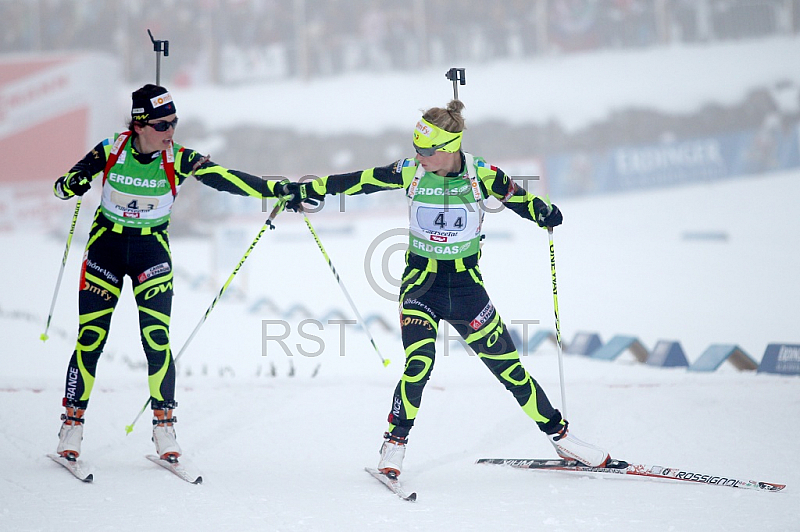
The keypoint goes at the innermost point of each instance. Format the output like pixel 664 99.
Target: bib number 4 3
pixel 134 205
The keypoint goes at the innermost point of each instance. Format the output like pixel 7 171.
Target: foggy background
pixel 242 41
pixel 230 56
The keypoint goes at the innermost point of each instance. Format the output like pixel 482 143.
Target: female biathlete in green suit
pixel 446 188
pixel 140 171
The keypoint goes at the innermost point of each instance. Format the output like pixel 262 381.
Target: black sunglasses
pixel 164 125
pixel 427 152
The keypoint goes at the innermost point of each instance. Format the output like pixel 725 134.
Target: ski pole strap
pixel 276 210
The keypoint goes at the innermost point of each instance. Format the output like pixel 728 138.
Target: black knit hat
pixel 151 101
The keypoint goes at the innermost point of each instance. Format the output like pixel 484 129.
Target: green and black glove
pixel 300 193
pixel 72 184
pixel 546 215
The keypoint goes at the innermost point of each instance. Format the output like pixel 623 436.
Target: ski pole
pixel 275 211
pixel 44 336
pixel 361 321
pixel 558 324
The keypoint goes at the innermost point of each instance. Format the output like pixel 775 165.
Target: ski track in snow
pixel 287 453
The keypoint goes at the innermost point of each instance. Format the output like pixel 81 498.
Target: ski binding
pixel 392 483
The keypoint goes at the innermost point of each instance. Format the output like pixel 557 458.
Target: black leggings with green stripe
pixel 109 257
pixel 460 299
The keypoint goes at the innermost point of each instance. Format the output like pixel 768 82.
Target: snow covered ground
pixel 286 452
pixel 282 440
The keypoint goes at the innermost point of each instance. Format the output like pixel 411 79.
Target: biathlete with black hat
pixel 445 188
pixel 141 171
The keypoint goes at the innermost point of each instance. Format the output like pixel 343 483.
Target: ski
pixel 79 468
pixel 619 467
pixel 183 469
pixel 393 484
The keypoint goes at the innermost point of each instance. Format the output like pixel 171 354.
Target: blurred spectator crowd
pixel 239 41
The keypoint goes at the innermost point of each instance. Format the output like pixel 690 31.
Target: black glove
pixel 280 188
pixel 76 184
pixel 546 215
pixel 299 193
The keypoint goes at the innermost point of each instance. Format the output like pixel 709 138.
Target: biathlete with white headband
pixel 446 187
pixel 142 171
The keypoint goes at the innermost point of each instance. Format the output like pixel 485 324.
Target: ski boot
pixel 569 447
pixel 71 433
pixel 392 452
pixel 164 437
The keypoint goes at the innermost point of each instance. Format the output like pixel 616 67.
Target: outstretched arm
pixel 394 176
pixel 220 178
pixel 516 198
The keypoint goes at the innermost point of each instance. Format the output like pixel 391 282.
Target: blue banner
pixel 781 358
pixel 768 149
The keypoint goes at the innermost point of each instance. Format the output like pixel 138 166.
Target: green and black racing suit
pixel 442 280
pixel 129 237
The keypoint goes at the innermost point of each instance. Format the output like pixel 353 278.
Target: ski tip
pixel 183 469
pixel 769 486
pixel 73 466
pixel 412 497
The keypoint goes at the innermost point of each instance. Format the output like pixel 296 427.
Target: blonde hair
pixel 449 119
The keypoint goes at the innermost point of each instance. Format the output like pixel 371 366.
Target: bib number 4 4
pixel 436 219
pixel 442 222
